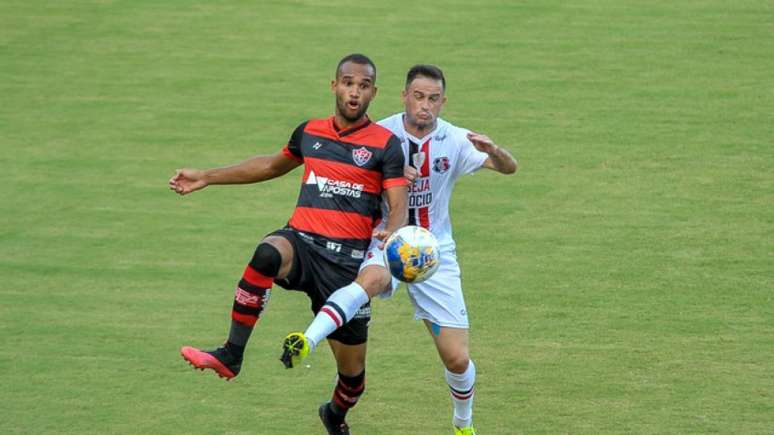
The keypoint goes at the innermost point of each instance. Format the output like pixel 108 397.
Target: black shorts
pixel 319 272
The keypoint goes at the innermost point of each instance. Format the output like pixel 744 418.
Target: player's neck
pixel 417 131
pixel 341 123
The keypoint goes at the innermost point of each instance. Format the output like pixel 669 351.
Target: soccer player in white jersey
pixel 438 154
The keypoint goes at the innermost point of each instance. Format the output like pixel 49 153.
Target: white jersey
pixel 441 157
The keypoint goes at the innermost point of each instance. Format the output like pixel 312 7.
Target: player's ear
pixel 333 86
pixel 403 95
pixel 443 100
pixel 376 90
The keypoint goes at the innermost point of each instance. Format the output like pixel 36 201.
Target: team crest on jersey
pixel 361 156
pixel 441 164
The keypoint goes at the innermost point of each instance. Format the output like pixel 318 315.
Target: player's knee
pixel 352 368
pixel 457 362
pixel 374 280
pixel 266 260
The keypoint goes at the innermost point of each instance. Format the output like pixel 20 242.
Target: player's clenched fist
pixel 187 180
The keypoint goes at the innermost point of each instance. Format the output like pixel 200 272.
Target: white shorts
pixel 439 299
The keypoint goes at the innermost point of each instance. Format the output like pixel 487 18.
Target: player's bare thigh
pixel 452 345
pixel 350 359
pixel 285 249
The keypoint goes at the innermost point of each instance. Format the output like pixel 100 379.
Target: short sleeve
pixel 470 159
pixel 392 166
pixel 293 147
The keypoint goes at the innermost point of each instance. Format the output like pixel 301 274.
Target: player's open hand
pixel 381 235
pixel 186 181
pixel 482 142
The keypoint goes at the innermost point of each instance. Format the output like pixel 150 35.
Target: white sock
pixel 339 309
pixel 461 388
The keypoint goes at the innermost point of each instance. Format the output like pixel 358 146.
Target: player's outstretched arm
pixel 499 159
pixel 397 200
pixel 253 170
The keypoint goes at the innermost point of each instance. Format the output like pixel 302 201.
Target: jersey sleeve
pixel 293 147
pixel 389 122
pixel 392 166
pixel 470 159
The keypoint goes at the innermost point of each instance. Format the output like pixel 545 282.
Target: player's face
pixel 354 88
pixel 423 100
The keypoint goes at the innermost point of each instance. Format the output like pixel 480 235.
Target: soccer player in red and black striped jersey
pixel 439 154
pixel 350 164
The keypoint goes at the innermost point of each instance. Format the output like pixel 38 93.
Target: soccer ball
pixel 412 254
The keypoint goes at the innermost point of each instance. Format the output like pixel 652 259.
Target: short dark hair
pixel 360 59
pixel 429 71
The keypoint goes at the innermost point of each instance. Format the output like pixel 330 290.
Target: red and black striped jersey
pixel 345 173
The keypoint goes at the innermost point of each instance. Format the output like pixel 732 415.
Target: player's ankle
pixel 337 413
pixel 235 350
pixel 312 344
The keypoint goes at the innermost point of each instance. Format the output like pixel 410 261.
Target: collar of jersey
pixel 347 132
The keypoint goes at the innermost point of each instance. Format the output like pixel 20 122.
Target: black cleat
pixel 333 425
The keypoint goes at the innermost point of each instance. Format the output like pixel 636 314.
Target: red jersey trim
pixel 287 153
pixel 332 223
pixel 392 182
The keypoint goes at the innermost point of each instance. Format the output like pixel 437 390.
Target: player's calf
pixel 250 299
pixel 344 303
pixel 339 309
pixel 252 295
pixel 345 396
pixel 462 390
pixel 460 373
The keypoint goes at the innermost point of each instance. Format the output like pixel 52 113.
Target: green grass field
pixel 622 282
